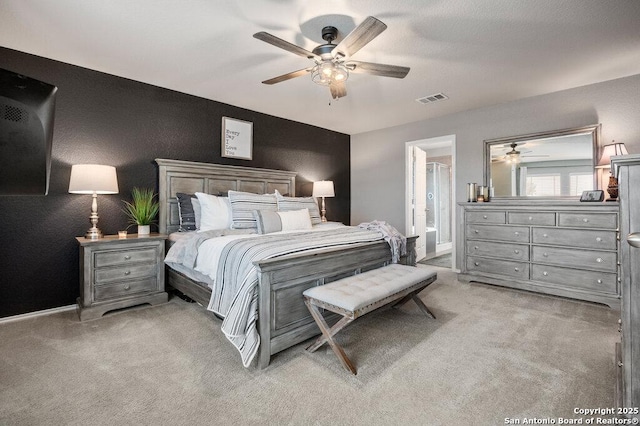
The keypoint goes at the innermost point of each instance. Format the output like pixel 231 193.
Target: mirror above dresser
pixel 557 164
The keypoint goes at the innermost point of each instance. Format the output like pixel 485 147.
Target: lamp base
pixel 93 234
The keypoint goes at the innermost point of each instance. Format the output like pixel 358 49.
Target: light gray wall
pixel 378 157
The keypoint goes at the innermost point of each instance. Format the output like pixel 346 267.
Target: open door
pixel 420 200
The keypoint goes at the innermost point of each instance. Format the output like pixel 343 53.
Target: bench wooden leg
pixel 327 335
pixel 419 302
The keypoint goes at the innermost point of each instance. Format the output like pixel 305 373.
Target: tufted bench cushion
pixel 359 294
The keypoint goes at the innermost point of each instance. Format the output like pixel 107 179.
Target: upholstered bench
pixel 362 293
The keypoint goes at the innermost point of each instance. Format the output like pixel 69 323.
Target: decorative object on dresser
pixel 93 179
pixel 119 272
pixel 627 169
pixel 143 210
pixel 608 151
pixel 323 188
pixel 592 196
pixel 564 248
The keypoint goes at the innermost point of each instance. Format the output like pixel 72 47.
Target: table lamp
pixel 93 179
pixel 609 151
pixel 323 188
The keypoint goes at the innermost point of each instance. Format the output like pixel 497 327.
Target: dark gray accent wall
pixel 101 118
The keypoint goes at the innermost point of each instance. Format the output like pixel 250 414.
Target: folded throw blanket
pixel 396 240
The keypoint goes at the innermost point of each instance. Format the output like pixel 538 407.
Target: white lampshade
pixel 609 151
pixel 90 178
pixel 323 188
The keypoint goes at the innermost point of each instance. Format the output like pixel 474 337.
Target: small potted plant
pixel 143 210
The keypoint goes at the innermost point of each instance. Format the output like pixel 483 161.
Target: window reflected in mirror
pixel 550 164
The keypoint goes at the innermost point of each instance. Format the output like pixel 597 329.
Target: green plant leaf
pixel 143 208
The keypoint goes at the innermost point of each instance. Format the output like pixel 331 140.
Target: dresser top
pixel 542 205
pixel 115 239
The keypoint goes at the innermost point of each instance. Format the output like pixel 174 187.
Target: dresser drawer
pixel 590 259
pixel 587 280
pixel 516 234
pixel 124 288
pixel 106 275
pixel 588 220
pixel 509 268
pixel 123 257
pixel 583 238
pixel 487 217
pixel 500 250
pixel 532 218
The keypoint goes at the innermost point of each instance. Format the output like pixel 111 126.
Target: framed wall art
pixel 237 138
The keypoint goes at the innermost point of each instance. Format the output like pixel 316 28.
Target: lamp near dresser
pixel 323 188
pixel 612 150
pixel 93 179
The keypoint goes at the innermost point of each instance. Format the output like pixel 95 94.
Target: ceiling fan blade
pixel 282 44
pixel 287 76
pixel 369 29
pixel 378 69
pixel 338 90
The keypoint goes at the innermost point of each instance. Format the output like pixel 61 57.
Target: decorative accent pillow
pixel 295 220
pixel 197 210
pixel 185 212
pixel 267 221
pixel 244 203
pixel 286 204
pixel 214 212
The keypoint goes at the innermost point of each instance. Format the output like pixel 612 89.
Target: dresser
pixel 563 248
pixel 118 273
pixel 628 350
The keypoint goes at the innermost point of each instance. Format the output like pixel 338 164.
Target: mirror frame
pixel 593 130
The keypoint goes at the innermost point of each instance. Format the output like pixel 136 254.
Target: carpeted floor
pixel 491 354
pixel 443 261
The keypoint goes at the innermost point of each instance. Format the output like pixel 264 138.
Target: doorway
pixel 430 196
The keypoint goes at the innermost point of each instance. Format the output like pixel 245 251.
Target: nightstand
pixel 118 273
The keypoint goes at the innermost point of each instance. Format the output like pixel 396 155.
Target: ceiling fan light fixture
pixel 328 72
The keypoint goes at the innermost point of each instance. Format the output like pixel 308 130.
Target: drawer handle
pixel 476 231
pixel 634 239
pixel 544 235
pixel 530 218
pixel 598 239
pixel 516 269
pixel 476 263
pixel 127 287
pixel 516 251
pixel 127 272
pixel 545 254
pixel 545 273
pixel 585 220
pixel 516 233
pixel 475 247
pixel 599 260
pixel 484 216
pixel 599 281
pixel 127 257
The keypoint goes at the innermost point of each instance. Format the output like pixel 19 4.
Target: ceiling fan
pixel 332 63
pixel 514 156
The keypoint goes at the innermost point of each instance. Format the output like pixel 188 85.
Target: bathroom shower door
pixel 439 201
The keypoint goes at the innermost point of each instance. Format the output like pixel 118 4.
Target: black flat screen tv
pixel 27 109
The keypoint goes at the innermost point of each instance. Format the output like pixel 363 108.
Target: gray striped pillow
pixel 286 204
pixel 243 205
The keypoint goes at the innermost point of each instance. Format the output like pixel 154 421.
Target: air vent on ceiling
pixel 432 98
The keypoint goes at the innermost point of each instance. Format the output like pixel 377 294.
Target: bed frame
pixel 283 318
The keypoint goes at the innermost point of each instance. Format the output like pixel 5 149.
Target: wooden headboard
pixel 191 177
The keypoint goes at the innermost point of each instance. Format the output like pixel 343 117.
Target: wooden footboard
pixel 284 320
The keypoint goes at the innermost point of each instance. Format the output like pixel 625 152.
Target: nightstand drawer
pixel 106 275
pixel 123 257
pixel 124 288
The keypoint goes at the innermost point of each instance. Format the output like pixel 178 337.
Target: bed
pixel 282 317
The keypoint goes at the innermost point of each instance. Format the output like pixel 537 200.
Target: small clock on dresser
pixel 119 272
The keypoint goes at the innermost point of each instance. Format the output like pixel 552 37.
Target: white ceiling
pixel 477 52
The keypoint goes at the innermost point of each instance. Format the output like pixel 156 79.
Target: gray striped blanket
pixel 235 296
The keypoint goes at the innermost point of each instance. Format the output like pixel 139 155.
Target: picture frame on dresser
pixel 592 196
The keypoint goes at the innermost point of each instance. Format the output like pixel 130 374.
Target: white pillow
pixel 214 212
pixel 295 220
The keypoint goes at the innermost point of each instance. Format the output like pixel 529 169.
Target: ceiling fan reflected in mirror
pixel 515 157
pixel 332 63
